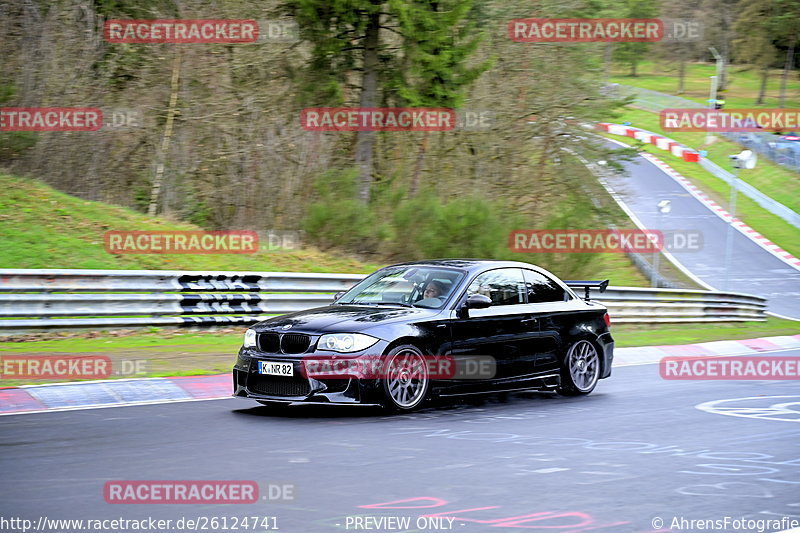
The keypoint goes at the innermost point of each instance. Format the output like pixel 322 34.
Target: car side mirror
pixel 338 295
pixel 478 301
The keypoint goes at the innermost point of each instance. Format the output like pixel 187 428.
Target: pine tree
pixel 438 39
pixel 356 37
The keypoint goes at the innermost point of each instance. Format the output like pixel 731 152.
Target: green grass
pixel 126 340
pixel 44 228
pixel 742 88
pixel 627 335
pixel 771 226
pixel 135 354
pixel 616 267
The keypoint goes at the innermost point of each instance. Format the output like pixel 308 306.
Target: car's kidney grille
pixel 295 342
pixel 269 342
pixel 278 386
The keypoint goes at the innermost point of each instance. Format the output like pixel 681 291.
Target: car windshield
pixel 408 286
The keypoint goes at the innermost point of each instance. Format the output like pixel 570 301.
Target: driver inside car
pixel 434 289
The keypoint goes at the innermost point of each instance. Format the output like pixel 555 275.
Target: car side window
pixel 504 286
pixel 542 289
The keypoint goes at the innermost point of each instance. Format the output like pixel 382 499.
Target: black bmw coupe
pixel 413 331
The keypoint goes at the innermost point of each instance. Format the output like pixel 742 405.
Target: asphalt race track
pixel 755 271
pixel 636 453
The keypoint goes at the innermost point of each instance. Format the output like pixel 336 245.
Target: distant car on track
pixel 413 331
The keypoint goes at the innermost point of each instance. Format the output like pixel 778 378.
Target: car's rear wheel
pixel 405 378
pixel 580 370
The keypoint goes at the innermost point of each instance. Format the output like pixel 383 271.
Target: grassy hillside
pixel 44 228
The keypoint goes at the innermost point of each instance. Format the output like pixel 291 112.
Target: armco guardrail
pixel 22 280
pixel 635 305
pixel 36 300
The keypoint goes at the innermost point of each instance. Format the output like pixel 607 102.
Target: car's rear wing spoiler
pixel 587 286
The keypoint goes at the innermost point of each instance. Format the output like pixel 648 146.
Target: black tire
pixel 405 380
pixel 580 369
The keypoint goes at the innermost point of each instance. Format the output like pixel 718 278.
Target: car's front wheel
pixel 405 378
pixel 580 370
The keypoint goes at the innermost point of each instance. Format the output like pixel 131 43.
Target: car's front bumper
pixel 299 388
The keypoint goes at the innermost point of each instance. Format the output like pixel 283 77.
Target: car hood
pixel 343 318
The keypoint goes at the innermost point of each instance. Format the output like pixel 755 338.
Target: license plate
pixel 275 369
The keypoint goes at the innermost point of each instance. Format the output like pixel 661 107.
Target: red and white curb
pixel 653 354
pixel 664 143
pixel 30 399
pixel 749 232
pixel 113 393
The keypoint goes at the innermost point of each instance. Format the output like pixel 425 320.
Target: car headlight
pixel 249 338
pixel 345 342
